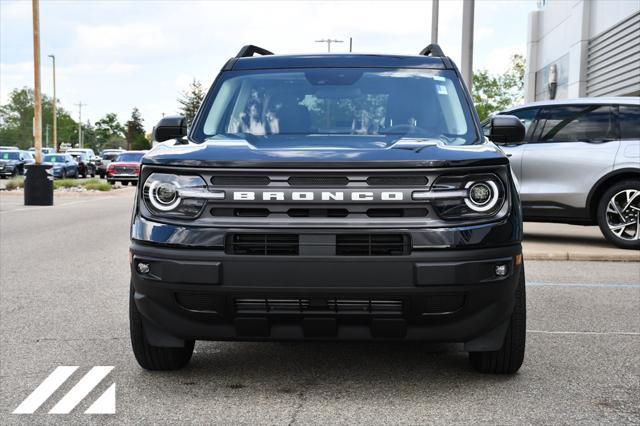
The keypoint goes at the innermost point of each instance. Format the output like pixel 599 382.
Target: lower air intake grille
pixel 262 244
pixel 319 306
pixel 372 245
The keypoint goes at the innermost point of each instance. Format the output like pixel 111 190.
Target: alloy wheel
pixel 623 214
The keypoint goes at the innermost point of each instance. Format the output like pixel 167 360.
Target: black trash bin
pixel 38 185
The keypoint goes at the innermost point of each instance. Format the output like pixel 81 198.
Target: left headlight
pixel 167 194
pixel 468 196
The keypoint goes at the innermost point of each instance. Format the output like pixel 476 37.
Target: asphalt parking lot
pixel 63 301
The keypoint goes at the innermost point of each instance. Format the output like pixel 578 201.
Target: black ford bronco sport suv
pixel 329 197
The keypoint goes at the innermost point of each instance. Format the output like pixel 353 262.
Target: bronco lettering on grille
pixel 318 196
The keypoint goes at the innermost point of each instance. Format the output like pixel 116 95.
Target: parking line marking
pixel 594 333
pixel 81 389
pixel 45 390
pixel 582 285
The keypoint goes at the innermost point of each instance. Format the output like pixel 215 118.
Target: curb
pixel 626 256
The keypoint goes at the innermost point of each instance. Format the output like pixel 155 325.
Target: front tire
pixel 154 357
pixel 619 214
pixel 508 359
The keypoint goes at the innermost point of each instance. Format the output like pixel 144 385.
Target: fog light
pixel 501 270
pixel 143 268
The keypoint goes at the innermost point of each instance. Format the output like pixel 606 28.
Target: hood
pixel 324 152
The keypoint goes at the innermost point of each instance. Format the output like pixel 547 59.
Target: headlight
pixel 467 196
pixel 175 195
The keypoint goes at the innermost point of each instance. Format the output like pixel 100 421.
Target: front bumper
pixel 120 178
pixel 450 295
pixel 8 171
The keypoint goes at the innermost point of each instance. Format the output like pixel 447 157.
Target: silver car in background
pixel 580 164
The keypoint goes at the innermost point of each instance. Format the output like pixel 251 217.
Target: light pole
pixel 328 41
pixel 80 105
pixel 467 42
pixel 434 20
pixel 55 116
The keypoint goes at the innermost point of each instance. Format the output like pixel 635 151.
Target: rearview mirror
pixel 170 127
pixel 506 129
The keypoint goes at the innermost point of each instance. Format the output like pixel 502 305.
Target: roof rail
pixel 432 50
pixel 250 50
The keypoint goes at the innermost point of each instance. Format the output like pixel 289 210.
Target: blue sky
pixel 114 55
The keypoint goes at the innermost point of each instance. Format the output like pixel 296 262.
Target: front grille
pixel 318 198
pixel 323 181
pixel 397 181
pixel 318 212
pixel 330 306
pixel 240 180
pixel 372 245
pixel 124 170
pixel 263 244
pixel 345 245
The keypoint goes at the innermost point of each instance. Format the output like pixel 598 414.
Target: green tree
pixel 190 100
pixel 493 93
pixel 136 138
pixel 16 120
pixel 89 136
pixel 109 132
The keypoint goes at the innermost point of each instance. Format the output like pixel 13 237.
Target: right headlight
pixel 166 194
pixel 466 196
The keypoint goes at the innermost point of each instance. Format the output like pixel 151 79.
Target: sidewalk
pixel 555 241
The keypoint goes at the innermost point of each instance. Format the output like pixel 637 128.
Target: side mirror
pixel 506 129
pixel 170 127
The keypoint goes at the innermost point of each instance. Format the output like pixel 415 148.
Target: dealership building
pixel 578 48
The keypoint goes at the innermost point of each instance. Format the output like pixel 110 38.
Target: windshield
pixel 54 158
pixel 380 103
pixel 130 157
pixel 110 156
pixel 9 155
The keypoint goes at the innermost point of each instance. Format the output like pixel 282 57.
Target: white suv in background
pixel 580 164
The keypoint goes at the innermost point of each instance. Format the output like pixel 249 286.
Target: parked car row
pixel 13 162
pixel 115 165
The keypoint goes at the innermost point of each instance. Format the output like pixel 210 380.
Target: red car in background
pixel 125 168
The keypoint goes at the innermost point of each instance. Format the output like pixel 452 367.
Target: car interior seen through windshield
pixel 382 103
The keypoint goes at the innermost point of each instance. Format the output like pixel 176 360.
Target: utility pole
pixel 55 116
pixel 467 42
pixel 37 113
pixel 38 185
pixel 80 105
pixel 434 20
pixel 328 41
pixel 350 44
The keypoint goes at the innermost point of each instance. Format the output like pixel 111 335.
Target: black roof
pixel 336 61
